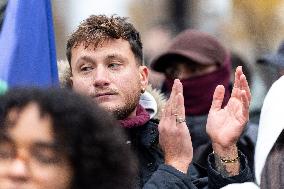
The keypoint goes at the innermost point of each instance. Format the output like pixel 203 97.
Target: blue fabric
pixel 27 45
pixel 3 87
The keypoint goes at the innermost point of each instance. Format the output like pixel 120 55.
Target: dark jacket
pixel 155 174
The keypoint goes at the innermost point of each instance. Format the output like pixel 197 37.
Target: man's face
pixel 28 156
pixel 110 75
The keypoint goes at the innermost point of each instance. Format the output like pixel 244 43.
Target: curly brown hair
pixel 98 28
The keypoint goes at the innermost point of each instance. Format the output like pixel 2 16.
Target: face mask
pixel 198 91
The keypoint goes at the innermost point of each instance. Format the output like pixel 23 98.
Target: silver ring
pixel 180 120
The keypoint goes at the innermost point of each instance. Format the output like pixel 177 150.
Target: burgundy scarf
pixel 142 117
pixel 198 91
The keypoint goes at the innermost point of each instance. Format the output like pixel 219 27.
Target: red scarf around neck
pixel 142 117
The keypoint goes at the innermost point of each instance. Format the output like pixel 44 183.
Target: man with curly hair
pixel 55 139
pixel 106 63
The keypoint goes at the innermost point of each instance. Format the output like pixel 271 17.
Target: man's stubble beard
pixel 123 112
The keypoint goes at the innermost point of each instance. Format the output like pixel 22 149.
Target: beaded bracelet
pixel 229 160
pixel 223 160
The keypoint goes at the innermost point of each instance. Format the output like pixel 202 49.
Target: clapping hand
pixel 174 136
pixel 225 125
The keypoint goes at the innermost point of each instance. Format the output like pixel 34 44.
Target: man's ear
pixel 144 76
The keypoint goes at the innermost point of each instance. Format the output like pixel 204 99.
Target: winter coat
pixel 155 174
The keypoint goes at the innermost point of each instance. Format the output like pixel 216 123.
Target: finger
pixel 175 107
pixel 172 92
pixel 180 105
pixel 245 100
pixel 180 98
pixel 238 73
pixel 245 86
pixel 238 94
pixel 168 109
pixel 218 97
pixel 181 114
pixel 172 96
pixel 179 87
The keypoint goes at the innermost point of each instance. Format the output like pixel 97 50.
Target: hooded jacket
pixel 271 125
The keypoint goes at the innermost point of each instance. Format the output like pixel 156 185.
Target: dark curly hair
pixel 96 29
pixel 93 141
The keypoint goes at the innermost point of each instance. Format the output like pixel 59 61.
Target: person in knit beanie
pixel 201 62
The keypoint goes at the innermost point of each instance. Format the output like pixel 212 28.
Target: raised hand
pixel 225 125
pixel 174 136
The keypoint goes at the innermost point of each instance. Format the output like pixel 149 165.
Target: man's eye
pixel 114 65
pixel 6 150
pixel 86 68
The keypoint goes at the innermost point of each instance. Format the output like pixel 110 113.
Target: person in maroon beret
pixel 201 63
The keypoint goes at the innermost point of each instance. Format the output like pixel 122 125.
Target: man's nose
pixel 101 77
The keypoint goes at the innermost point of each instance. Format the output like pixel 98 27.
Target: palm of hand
pixel 224 126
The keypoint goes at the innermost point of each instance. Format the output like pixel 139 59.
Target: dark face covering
pixel 198 91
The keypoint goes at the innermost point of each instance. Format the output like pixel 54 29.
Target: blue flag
pixel 27 45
